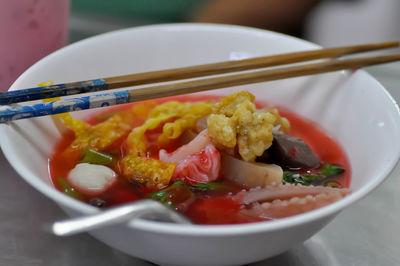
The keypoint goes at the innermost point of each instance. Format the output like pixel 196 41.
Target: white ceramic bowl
pixel 353 107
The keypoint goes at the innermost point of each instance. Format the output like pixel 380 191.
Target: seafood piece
pixel 285 200
pixel 286 191
pixel 201 167
pixel 197 144
pixel 197 161
pixel 91 179
pixel 284 208
pixel 250 174
pixel 290 152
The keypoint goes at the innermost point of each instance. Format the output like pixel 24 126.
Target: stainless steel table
pixel 367 233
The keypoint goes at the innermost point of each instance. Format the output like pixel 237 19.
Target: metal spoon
pixel 149 209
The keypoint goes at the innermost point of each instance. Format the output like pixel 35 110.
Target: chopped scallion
pixel 173 195
pixel 206 186
pixel 330 170
pixel 95 157
pixel 67 189
pixel 327 171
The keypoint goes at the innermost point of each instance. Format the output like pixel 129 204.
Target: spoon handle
pixel 121 214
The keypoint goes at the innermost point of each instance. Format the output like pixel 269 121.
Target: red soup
pixel 216 160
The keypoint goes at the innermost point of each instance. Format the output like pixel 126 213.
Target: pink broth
pixel 208 207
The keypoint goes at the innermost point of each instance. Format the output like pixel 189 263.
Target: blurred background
pixel 47 25
pixel 326 22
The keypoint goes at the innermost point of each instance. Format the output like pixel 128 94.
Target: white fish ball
pixel 91 178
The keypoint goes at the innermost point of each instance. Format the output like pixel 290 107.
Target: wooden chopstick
pixel 113 98
pixel 183 73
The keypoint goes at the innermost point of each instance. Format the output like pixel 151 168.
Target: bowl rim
pixel 201 230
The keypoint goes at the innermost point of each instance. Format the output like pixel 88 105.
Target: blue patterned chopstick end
pixel 10 113
pixel 52 91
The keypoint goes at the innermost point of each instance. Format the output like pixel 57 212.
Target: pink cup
pixel 29 30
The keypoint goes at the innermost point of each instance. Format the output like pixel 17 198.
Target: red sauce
pixel 320 142
pixel 207 207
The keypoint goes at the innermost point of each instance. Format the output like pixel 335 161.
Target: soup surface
pixel 186 156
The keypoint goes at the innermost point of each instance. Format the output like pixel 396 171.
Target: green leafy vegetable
pixel 161 196
pixel 173 195
pixel 207 186
pixel 95 157
pixel 67 189
pixel 331 170
pixel 326 172
pixel 296 178
pixel 179 192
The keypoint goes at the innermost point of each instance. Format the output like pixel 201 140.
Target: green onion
pixel 95 157
pixel 160 195
pixel 327 171
pixel 206 186
pixel 310 178
pixel 296 178
pixel 164 195
pixel 67 189
pixel 177 193
pixel 331 170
